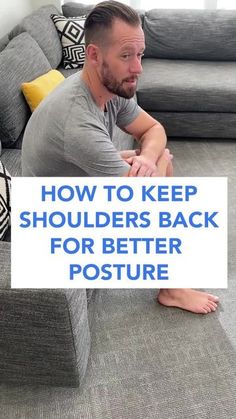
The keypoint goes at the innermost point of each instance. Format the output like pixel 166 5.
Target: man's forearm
pixel 153 142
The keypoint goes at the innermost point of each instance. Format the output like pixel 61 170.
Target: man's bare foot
pixel 163 162
pixel 188 299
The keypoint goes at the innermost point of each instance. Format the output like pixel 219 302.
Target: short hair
pixel 101 19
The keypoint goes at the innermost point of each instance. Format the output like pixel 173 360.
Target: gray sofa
pixel 190 60
pixel 189 70
pixel 188 84
pixel 45 335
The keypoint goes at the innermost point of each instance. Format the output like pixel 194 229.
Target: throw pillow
pixel 5 208
pixel 71 33
pixel 36 90
pixel 40 26
pixel 21 60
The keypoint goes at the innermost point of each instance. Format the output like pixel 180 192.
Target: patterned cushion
pixel 5 208
pixel 71 32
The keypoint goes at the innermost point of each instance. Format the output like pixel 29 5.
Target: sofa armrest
pixel 44 334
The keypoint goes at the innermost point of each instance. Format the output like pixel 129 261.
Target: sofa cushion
pixel 72 9
pixel 179 85
pixel 190 34
pixel 36 90
pixel 5 205
pixel 195 125
pixel 5 265
pixel 71 33
pixel 68 72
pixel 40 26
pixel 11 158
pixel 21 61
pixel 3 42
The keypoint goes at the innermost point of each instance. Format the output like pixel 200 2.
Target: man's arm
pixel 152 140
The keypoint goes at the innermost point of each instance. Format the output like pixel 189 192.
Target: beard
pixel 114 86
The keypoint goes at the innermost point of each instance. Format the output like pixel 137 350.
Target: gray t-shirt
pixel 69 135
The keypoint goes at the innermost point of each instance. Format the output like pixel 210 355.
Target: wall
pixel 11 13
pixel 38 3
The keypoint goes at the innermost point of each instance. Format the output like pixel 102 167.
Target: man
pixel 70 133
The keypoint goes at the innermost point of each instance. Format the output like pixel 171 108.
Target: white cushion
pixel 71 33
pixel 5 202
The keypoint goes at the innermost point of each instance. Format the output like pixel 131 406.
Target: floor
pixel 148 361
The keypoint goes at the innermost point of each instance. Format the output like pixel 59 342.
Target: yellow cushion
pixel 38 89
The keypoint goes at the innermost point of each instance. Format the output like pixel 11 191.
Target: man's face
pixel 121 59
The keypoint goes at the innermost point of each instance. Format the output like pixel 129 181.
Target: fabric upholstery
pixel 71 33
pixel 69 71
pixel 40 26
pixel 3 42
pixel 190 34
pixel 5 264
pixel 187 86
pixel 192 125
pixel 23 57
pixel 44 337
pixel 11 158
pixel 7 237
pixel 36 90
pixel 42 341
pixel 71 9
pixel 5 200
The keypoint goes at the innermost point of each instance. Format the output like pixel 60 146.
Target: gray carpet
pixel 149 361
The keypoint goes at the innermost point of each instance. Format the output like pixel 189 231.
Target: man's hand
pixel 142 166
pixel 126 154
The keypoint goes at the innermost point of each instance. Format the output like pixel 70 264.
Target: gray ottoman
pixel 44 334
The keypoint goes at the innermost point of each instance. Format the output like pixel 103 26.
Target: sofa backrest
pixel 41 27
pixel 73 9
pixel 22 60
pixel 190 34
pixel 3 42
